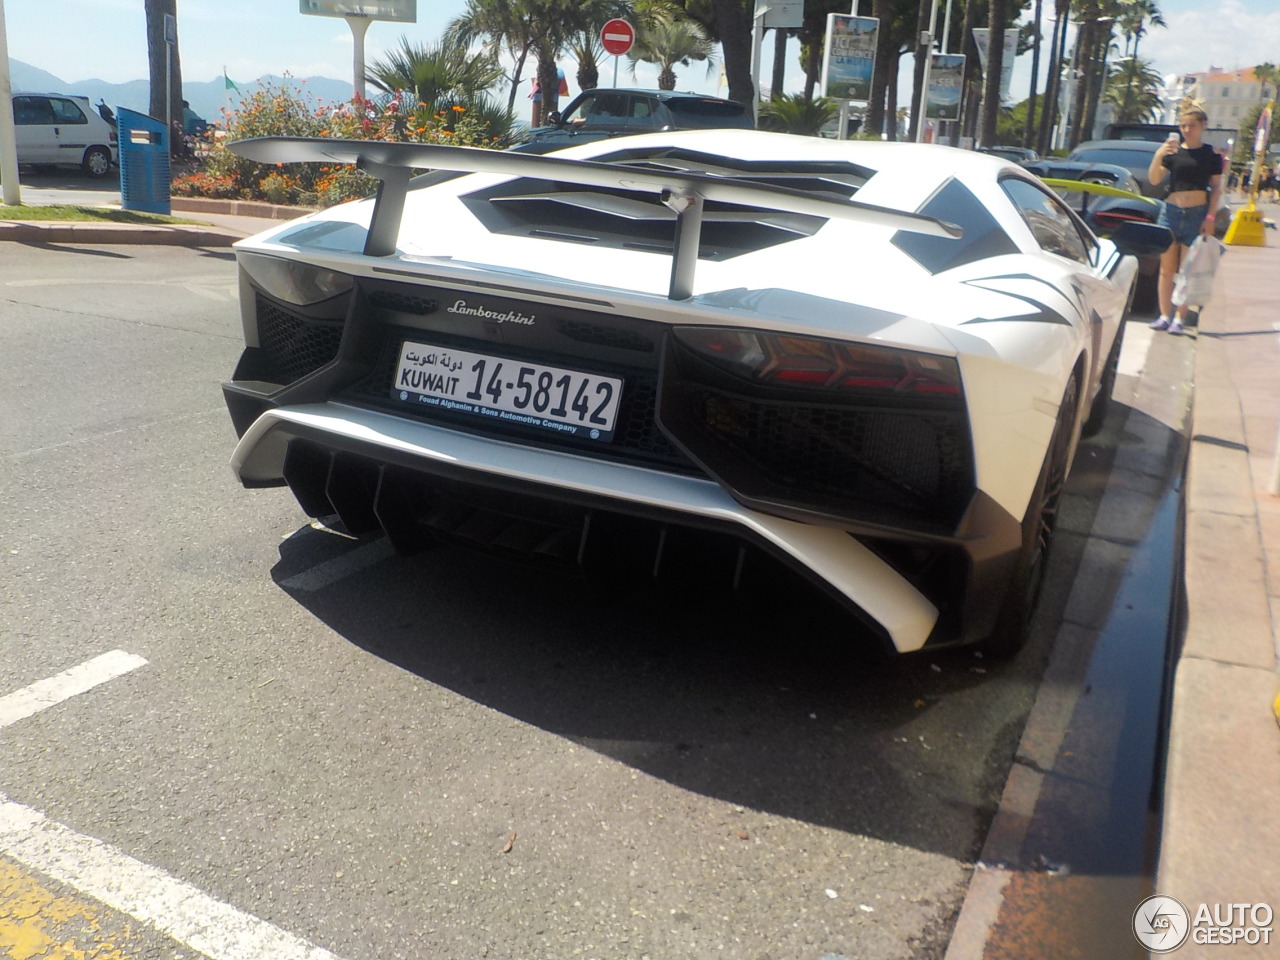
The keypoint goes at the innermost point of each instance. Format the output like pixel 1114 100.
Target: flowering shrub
pixel 204 185
pixel 282 111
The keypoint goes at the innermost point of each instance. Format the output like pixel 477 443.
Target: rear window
pixel 694 113
pixel 983 236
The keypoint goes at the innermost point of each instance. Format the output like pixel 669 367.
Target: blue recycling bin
pixel 144 162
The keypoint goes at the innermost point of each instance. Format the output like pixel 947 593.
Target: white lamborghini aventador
pixel 697 351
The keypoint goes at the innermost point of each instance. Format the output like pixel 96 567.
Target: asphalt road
pixel 446 755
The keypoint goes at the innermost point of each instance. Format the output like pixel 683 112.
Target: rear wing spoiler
pixel 393 164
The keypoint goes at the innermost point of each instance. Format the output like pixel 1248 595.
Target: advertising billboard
pixel 850 56
pixel 401 11
pixel 946 73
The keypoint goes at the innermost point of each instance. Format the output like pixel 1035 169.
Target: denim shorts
pixel 1185 222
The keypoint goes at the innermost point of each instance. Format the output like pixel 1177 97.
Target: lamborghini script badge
pixel 484 313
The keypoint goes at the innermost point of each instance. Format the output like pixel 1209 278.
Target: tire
pixel 1098 409
pixel 97 162
pixel 1014 618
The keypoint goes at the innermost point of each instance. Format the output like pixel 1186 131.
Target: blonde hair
pixel 1193 113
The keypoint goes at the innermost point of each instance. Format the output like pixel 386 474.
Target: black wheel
pixel 97 161
pixel 1019 603
pixel 1098 409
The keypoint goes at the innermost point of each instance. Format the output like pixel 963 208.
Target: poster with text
pixel 850 56
pixel 982 39
pixel 946 72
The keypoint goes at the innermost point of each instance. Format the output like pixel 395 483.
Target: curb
pixel 238 208
pixel 38 232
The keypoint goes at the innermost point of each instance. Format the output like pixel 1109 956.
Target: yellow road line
pixel 38 922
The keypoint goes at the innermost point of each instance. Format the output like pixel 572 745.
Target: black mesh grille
pixel 292 345
pixel 605 336
pixel 868 462
pixel 402 302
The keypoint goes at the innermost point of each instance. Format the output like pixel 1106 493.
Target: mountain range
pixel 207 98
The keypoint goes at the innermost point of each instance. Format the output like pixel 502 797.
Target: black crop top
pixel 1191 167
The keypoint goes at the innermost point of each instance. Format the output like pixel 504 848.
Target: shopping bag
pixel 1193 284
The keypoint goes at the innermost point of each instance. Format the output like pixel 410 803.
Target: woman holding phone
pixel 1194 169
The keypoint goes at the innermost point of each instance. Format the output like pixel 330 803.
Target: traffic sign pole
pixel 616 37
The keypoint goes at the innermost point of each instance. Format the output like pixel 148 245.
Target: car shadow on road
pixel 772 703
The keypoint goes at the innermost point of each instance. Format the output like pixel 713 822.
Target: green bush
pixel 282 111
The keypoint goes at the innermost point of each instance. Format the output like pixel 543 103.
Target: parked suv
pixel 604 112
pixel 63 129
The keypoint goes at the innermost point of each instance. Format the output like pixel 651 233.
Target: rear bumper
pixel 360 446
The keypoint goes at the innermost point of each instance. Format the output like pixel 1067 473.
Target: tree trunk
pixel 1079 64
pixel 548 87
pixel 733 22
pixel 157 52
pixel 779 81
pixel 516 74
pixel 882 68
pixel 922 52
pixel 1050 109
pixel 588 75
pixel 970 51
pixel 812 68
pixel 1098 79
pixel 1029 131
pixel 991 82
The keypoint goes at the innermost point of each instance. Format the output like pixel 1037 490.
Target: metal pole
pixel 757 36
pixel 12 195
pixel 359 27
pixel 926 41
pixel 615 70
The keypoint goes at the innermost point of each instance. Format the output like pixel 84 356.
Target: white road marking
pixel 46 693
pixel 1138 338
pixel 331 571
pixel 146 893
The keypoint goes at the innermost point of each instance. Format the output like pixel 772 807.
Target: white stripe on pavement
pixel 1137 344
pixel 331 571
pixel 46 693
pixel 146 893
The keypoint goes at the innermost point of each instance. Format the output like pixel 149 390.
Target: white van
pixel 59 128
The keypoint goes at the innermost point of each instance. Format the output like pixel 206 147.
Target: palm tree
pixel 1133 88
pixel 1134 18
pixel 439 76
pixel 995 67
pixel 668 43
pixel 1028 131
pixel 503 26
pixel 1268 73
pixel 797 114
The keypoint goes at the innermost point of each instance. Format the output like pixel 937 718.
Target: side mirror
pixel 553 118
pixel 1142 239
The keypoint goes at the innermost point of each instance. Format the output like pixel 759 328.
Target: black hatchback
pixel 608 112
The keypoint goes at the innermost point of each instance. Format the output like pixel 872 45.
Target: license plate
pixel 513 391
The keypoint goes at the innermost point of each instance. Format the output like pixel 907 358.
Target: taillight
pixel 827 364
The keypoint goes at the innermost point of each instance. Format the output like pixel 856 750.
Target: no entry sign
pixel 617 36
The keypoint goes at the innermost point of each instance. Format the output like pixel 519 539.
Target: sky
pixel 252 38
